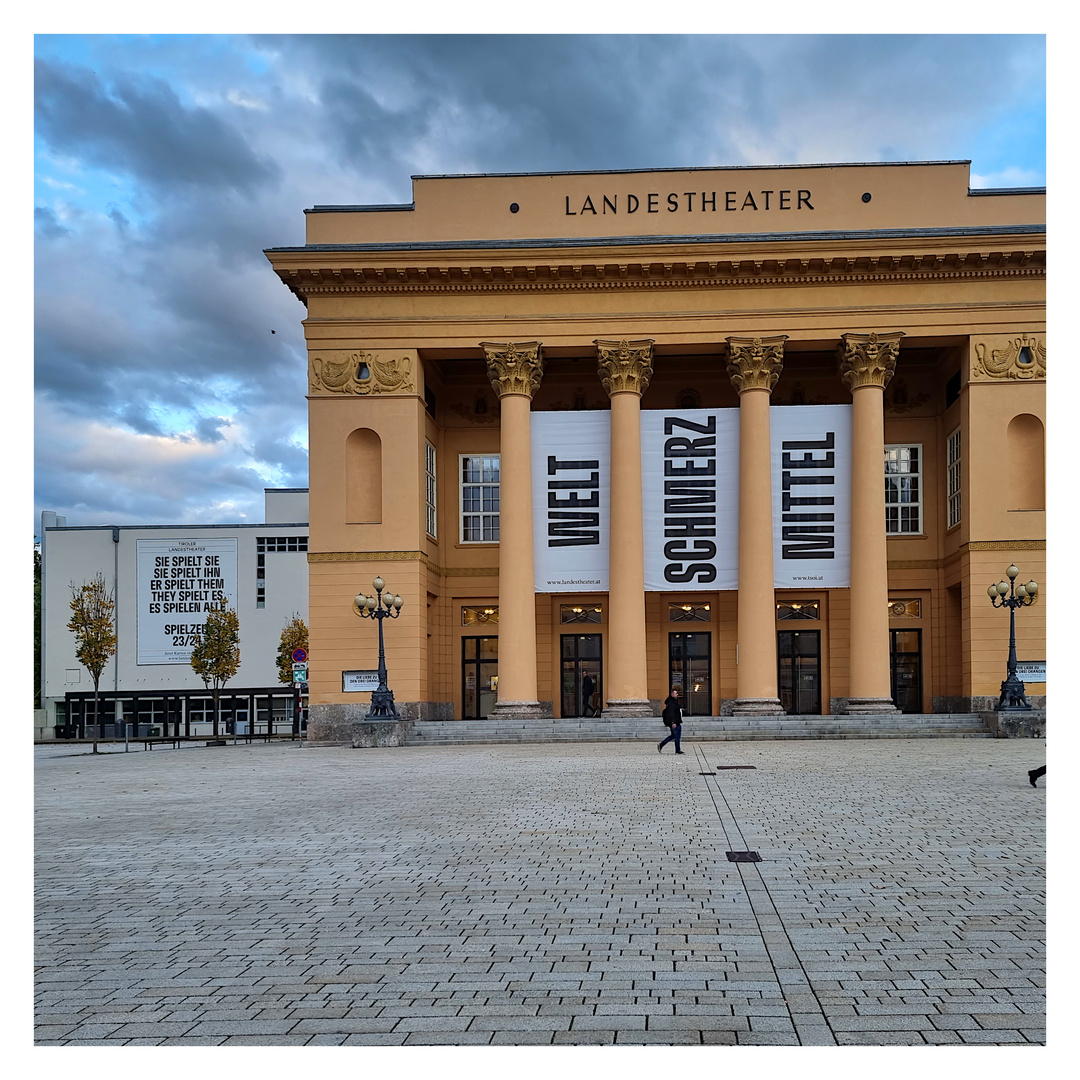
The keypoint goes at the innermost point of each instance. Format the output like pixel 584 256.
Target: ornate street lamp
pixel 380 607
pixel 1012 596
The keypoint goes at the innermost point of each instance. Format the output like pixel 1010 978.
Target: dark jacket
pixel 672 712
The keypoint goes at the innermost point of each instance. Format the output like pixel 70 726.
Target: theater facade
pixel 763 434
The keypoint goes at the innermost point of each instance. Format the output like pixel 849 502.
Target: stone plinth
pixel 1016 723
pixel 369 733
pixel 757 707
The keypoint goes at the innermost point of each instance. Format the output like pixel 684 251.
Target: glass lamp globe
pixel 377 584
pixel 1021 591
pixel 992 592
pixel 1003 588
pixel 398 602
pixel 1012 572
pixel 1032 588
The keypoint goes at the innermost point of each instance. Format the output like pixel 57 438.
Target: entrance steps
pixel 700 728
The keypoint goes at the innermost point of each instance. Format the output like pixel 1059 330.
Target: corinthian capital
pixel 869 359
pixel 755 363
pixel 625 366
pixel 514 367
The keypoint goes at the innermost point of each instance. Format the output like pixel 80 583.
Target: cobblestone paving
pixel 542 894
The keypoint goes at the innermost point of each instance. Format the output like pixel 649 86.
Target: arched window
pixel 363 477
pixel 1026 463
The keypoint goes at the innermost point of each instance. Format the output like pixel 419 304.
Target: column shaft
pixel 625 371
pixel 515 370
pixel 754 366
pixel 625 671
pixel 757 603
pixel 867 363
pixel 517 600
pixel 870 677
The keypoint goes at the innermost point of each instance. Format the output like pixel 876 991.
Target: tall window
pixel 479 498
pixel 952 464
pixel 429 468
pixel 903 489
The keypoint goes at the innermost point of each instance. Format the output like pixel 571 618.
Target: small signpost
pixel 299 673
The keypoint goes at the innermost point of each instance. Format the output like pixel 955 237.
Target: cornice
pixel 401 556
pixel 410 279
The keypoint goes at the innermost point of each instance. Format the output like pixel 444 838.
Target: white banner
pixel 690 498
pixel 811 491
pixel 179 581
pixel 571 459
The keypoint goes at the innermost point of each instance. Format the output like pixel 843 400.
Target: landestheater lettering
pixel 706 202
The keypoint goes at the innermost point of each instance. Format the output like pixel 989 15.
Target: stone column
pixel 754 366
pixel 625 371
pixel 867 362
pixel 515 370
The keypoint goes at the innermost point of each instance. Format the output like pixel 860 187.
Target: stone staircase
pixel 699 728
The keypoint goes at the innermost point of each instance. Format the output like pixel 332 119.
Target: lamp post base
pixel 1012 695
pixel 382 706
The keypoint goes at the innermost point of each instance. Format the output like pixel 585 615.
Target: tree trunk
pixel 97 715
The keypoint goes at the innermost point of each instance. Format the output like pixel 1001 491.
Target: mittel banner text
pixel 690 496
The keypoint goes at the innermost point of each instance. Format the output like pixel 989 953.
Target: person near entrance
pixel 673 719
pixel 588 688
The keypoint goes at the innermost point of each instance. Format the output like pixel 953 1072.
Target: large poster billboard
pixel 179 581
pixel 690 498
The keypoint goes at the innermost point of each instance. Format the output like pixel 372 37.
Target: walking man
pixel 673 719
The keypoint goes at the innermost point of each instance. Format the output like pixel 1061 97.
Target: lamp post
pixel 1012 596
pixel 380 607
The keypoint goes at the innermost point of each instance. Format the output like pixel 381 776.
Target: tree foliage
pixel 216 656
pixel 294 635
pixel 94 626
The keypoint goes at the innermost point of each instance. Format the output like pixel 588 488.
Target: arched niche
pixel 1026 454
pixel 363 477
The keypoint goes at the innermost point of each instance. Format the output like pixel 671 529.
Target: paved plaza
pixel 542 894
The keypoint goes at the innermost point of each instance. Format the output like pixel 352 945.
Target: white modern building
pixel 164 579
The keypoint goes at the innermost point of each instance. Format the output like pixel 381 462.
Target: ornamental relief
pixel 1023 357
pixel 337 371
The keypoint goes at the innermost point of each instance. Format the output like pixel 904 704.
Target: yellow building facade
pixel 592 427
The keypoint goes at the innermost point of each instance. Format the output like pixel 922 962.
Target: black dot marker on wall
pixel 514 208
pixel 866 196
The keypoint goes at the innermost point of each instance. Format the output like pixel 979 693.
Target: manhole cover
pixel 742 856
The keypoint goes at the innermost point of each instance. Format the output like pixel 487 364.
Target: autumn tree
pixel 93 623
pixel 294 635
pixel 216 656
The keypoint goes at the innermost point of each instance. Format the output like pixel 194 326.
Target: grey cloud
pixel 46 224
pixel 139 125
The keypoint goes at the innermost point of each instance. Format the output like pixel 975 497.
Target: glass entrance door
pixel 905 663
pixel 690 667
pixel 581 675
pixel 479 676
pixel 798 654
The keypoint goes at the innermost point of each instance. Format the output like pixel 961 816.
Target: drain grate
pixel 736 766
pixel 706 774
pixel 742 856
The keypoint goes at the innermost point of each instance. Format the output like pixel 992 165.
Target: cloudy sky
pixel 165 164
